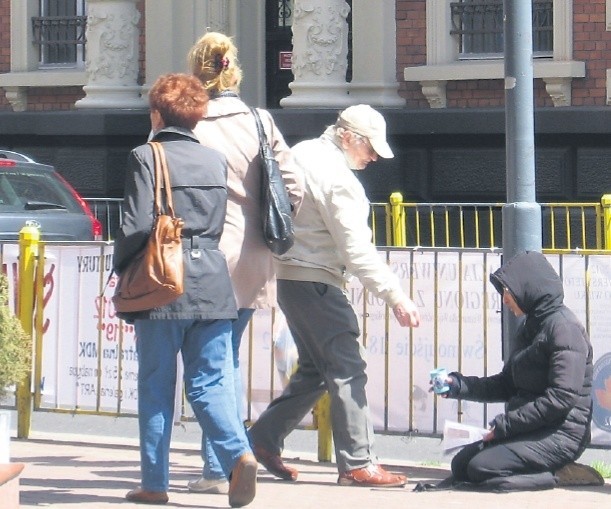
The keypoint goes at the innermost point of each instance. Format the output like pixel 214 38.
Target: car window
pixel 7 193
pixel 34 190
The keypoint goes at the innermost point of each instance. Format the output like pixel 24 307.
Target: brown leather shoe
pixel 274 465
pixel 141 496
pixel 373 476
pixel 578 474
pixel 243 482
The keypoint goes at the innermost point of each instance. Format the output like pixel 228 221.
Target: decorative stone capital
pixel 435 93
pixel 320 40
pixel 559 89
pixel 320 54
pixel 17 97
pixel 112 55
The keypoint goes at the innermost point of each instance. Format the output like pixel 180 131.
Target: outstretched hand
pixel 449 382
pixel 489 436
pixel 407 313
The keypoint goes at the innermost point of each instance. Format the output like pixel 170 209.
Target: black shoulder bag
pixel 276 213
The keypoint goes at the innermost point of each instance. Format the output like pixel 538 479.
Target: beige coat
pixel 230 128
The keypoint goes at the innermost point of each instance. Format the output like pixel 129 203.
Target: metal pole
pixel 521 214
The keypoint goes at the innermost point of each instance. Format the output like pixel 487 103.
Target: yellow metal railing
pixel 606 206
pixel 479 225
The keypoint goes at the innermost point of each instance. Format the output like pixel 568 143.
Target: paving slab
pixel 90 474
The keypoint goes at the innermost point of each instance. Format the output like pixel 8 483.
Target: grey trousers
pixel 326 332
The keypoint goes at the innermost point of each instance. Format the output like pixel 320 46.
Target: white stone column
pixel 112 55
pixel 320 55
pixel 374 53
pixel 173 27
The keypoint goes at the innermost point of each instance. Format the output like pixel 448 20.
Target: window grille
pixel 285 13
pixel 59 32
pixel 479 27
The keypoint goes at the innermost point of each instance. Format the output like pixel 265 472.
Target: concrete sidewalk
pixel 88 475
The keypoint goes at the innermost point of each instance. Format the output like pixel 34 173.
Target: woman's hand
pixel 450 382
pixel 488 436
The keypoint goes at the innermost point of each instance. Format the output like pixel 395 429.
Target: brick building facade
pixel 446 123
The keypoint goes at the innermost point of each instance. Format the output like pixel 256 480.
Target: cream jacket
pixel 332 238
pixel 230 128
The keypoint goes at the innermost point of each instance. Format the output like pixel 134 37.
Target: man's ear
pixel 346 137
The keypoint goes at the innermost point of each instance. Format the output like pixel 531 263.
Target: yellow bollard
pixel 606 203
pixel 397 212
pixel 29 237
pixel 322 416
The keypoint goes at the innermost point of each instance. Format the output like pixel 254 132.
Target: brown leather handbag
pixel 155 276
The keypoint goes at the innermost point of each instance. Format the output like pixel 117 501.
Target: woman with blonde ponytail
pixel 230 128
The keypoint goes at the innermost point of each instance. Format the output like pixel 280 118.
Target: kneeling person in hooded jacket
pixel 546 383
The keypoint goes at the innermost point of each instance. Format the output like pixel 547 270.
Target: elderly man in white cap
pixel 332 242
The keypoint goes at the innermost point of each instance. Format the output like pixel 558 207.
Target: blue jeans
pixel 212 467
pixel 205 347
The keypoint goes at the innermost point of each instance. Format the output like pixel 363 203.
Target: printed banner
pixel 89 358
pixel 89 355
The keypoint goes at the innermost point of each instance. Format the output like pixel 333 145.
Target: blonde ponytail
pixel 214 60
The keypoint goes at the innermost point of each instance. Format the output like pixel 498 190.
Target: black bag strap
pixel 260 130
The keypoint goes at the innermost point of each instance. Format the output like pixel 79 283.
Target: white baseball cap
pixel 362 119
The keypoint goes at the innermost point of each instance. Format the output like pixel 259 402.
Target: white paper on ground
pixel 457 435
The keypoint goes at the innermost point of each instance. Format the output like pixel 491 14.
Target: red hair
pixel 180 99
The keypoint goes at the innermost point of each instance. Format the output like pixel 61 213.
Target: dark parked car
pixel 36 193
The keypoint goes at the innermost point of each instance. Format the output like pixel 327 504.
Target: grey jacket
pixel 333 241
pixel 547 380
pixel 198 177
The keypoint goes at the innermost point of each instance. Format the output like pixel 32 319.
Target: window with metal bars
pixel 478 24
pixel 59 32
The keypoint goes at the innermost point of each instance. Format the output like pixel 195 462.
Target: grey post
pixel 521 213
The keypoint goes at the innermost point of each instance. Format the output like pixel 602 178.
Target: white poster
pixel 371 314
pixel 89 355
pixel 599 297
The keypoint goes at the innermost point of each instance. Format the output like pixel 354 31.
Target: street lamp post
pixel 521 213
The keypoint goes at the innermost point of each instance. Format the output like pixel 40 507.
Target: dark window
pixel 279 50
pixel 59 32
pixel 479 27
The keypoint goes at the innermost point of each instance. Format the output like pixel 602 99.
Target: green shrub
pixel 15 344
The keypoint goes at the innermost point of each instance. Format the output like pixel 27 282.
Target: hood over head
pixel 533 282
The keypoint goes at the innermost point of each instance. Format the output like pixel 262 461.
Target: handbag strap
pixel 161 173
pixel 260 130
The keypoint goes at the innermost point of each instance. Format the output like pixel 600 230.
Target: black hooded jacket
pixel 547 379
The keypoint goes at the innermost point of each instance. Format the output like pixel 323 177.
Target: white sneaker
pixel 213 486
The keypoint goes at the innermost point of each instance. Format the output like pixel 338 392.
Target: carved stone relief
pixel 112 56
pixel 320 40
pixel 112 43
